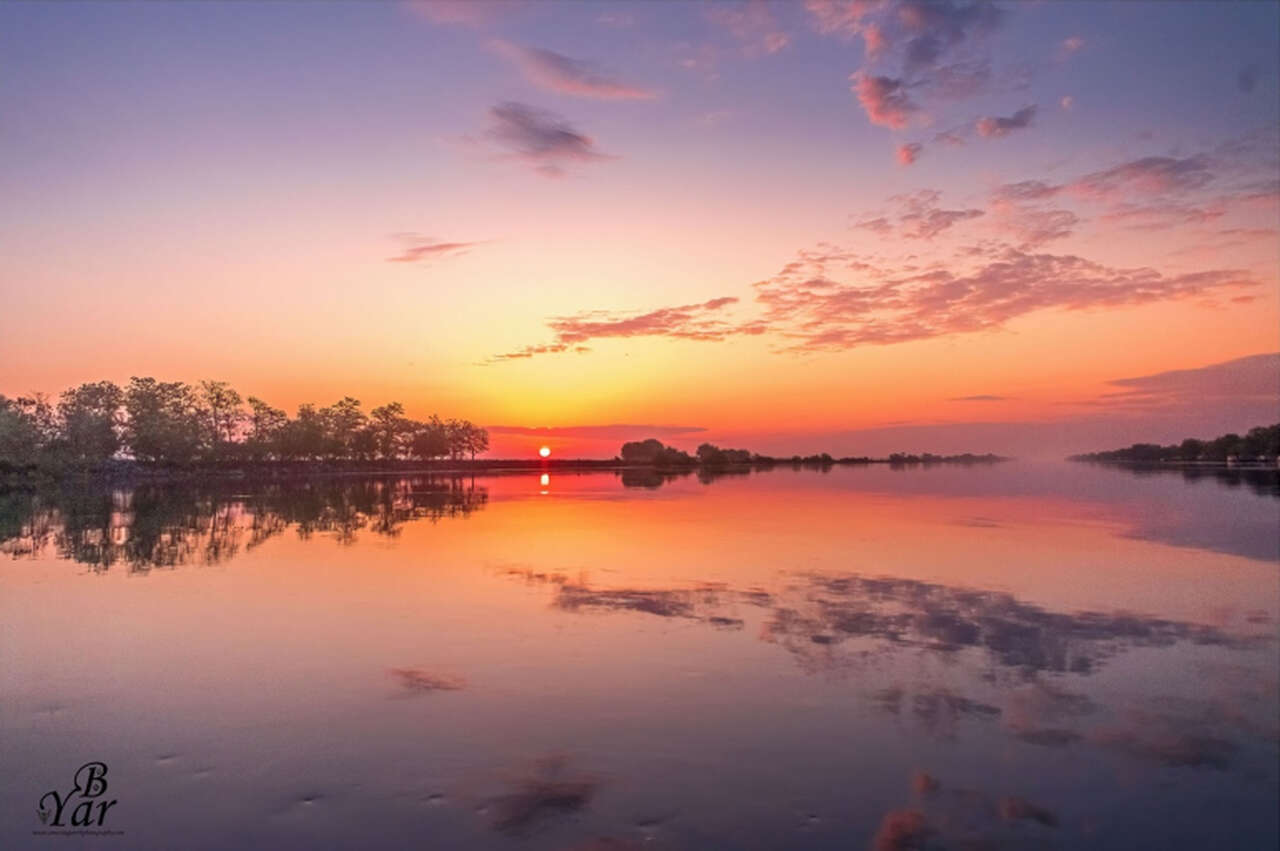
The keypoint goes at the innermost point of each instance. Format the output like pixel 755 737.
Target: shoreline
pixel 134 473
pixel 1179 465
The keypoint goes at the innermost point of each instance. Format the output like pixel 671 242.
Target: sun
pixel 544 451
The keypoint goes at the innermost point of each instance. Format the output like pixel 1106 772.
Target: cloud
pixel 558 73
pixel 954 138
pixel 1253 378
pixel 930 44
pixel 1147 176
pixel 928 223
pixel 908 153
pixel 1026 190
pixel 995 126
pixel 1067 103
pixel 1161 215
pixel 1031 227
pixel 885 99
pixel 612 431
pixel 918 216
pixel 753 25
pixel 541 139
pixel 839 17
pixel 982 397
pixel 889 306
pixel 419 248
pixel 938 26
pixel 925 30
pixel 686 322
pixel 960 80
pixel 1071 46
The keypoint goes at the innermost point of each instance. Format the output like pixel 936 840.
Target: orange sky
pixel 698 220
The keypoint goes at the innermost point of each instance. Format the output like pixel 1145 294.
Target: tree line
pixel 1259 444
pixel 653 453
pixel 172 423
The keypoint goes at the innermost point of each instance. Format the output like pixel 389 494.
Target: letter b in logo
pixel 91 779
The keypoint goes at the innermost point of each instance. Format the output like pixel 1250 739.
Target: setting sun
pixel 544 451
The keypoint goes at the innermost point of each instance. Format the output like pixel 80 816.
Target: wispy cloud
pixel 1253 378
pixel 918 216
pixel 1146 176
pixel 752 24
pixel 1032 227
pixel 806 304
pixel 993 127
pixel 559 73
pixel 981 397
pixel 420 248
pixel 908 153
pixel 842 18
pixel 542 139
pixel 686 322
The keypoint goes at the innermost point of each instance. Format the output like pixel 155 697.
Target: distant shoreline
pixel 1178 464
pixel 131 471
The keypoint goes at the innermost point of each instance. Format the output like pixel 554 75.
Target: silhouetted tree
pixel 164 421
pixel 222 406
pixel 89 421
pixel 1260 444
pixel 303 437
pixel 21 437
pixel 266 429
pixel 343 420
pixel 177 424
pixel 389 426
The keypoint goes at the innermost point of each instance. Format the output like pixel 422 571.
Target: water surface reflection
pixel 1013 657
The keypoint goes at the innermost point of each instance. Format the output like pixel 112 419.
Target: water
pixel 1026 655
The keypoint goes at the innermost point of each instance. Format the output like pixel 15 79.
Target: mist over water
pixel 1023 655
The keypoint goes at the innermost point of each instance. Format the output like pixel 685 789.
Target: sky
pixel 855 227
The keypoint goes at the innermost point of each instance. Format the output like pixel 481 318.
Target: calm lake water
pixel 1022 655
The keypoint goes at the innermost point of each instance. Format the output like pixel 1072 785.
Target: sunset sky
pixel 846 226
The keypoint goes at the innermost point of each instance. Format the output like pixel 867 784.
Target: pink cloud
pixel 996 126
pixel 806 305
pixel 558 73
pixel 885 100
pixel 918 216
pixel 908 153
pixel 1146 176
pixel 419 248
pixel 753 25
pixel 687 322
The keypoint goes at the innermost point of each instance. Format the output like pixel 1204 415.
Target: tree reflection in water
pixel 170 525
